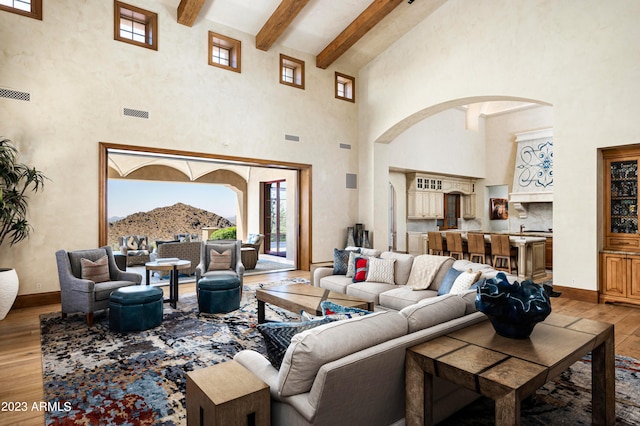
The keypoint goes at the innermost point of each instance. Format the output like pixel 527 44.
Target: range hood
pixel 533 174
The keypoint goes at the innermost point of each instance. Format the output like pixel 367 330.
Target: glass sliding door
pixel 275 217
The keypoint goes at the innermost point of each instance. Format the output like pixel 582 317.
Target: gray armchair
pixel 84 295
pixel 235 266
pixel 254 241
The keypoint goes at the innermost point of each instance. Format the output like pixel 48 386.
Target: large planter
pixel 8 290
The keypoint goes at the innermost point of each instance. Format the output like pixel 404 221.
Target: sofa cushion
pixel 97 271
pixel 448 280
pixel 403 265
pixel 424 270
pixel 369 290
pixel 381 270
pixel 277 336
pixel 433 311
pixel 464 281
pixel 313 348
pixel 337 283
pixel 403 296
pixel 469 298
pixel 341 260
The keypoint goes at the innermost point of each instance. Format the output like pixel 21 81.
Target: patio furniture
pixel 254 241
pixel 186 251
pixel 135 308
pixel 87 278
pixel 136 248
pixel 219 293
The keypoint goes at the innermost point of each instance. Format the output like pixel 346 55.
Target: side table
pixel 173 266
pixel 249 257
pixel 227 394
pixel 509 370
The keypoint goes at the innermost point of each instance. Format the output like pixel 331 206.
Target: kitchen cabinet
pixel 469 206
pixel 425 205
pixel 416 243
pixel 620 277
pixel 425 195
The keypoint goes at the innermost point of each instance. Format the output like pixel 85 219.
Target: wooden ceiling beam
pixel 278 22
pixel 188 11
pixel 368 19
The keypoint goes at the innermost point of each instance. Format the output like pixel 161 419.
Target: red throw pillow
pixel 362 265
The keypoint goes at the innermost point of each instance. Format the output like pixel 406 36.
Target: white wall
pixel 80 79
pixel 581 56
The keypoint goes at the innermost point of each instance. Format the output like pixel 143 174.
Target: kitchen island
pixel 531 251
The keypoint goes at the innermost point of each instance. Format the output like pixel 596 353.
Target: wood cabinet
pixel 425 205
pixel 620 281
pixel 620 259
pixel 425 195
pixel 548 258
pixel 469 206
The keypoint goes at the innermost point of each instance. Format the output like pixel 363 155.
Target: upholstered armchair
pixel 254 241
pixel 226 259
pixel 135 248
pixel 87 278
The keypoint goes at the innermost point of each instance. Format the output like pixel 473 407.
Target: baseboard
pixel 579 294
pixel 37 299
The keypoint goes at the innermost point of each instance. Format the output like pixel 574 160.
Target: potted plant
pixel 16 181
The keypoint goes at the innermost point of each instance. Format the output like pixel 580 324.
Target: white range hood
pixel 533 174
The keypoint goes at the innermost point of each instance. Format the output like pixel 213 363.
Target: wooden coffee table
pixel 509 370
pixel 297 297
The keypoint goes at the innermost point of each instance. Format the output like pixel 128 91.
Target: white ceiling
pixel 319 23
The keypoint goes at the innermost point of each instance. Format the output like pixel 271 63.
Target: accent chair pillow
pixel 381 270
pixel 341 260
pixel 339 312
pixel 277 336
pixel 464 281
pixel 361 267
pixel 448 280
pixel 219 261
pixel 97 271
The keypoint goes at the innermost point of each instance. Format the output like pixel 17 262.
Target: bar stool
pixel 454 245
pixel 477 249
pixel 435 243
pixel 503 252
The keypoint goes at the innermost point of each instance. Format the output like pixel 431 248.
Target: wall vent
pixel 137 113
pixel 345 146
pixel 352 181
pixel 292 138
pixel 15 94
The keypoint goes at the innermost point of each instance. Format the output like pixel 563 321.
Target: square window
pixel 224 52
pixel 30 8
pixel 135 26
pixel 345 87
pixel 291 71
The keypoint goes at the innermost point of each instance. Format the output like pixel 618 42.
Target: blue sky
pixel 131 196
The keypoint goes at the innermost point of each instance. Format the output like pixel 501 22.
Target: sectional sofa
pixel 352 371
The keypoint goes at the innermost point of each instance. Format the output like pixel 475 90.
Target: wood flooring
pixel 21 362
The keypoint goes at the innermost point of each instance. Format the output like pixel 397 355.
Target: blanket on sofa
pixel 425 268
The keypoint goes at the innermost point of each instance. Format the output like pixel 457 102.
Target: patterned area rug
pixel 100 377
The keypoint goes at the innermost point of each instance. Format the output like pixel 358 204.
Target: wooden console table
pixel 509 370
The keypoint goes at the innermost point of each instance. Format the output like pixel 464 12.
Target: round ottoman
pixel 135 308
pixel 219 293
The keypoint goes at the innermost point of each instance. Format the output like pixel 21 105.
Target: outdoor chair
pixel 87 278
pixel 254 241
pixel 136 248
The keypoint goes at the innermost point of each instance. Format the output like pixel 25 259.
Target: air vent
pixel 292 138
pixel 352 181
pixel 345 146
pixel 135 113
pixel 14 94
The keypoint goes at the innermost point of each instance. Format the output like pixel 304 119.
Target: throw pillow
pixel 464 281
pixel 351 263
pixel 424 270
pixel 361 266
pixel 381 270
pixel 277 336
pixel 341 261
pixel 219 261
pixel 448 281
pixel 97 271
pixel 339 312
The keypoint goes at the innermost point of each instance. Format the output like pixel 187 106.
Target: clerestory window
pixel 135 26
pixel 30 8
pixel 291 71
pixel 345 87
pixel 224 52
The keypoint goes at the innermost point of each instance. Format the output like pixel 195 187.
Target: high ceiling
pixel 349 33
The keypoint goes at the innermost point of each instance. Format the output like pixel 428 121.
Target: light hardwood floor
pixel 21 363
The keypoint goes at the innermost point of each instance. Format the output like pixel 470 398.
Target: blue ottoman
pixel 135 308
pixel 219 293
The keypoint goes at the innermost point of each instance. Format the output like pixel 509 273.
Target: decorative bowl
pixel 513 309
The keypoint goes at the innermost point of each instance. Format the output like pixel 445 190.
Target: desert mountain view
pixel 163 223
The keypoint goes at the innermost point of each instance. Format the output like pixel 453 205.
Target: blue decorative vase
pixel 513 309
